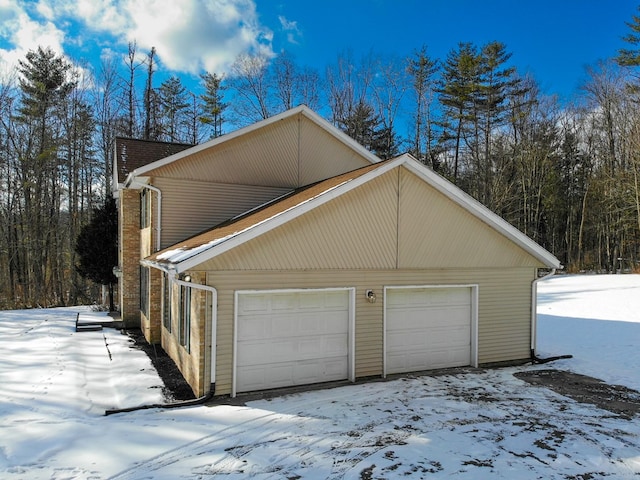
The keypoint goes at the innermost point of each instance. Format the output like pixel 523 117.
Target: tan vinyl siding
pixel 264 157
pixel 189 207
pixel 355 230
pixel 379 226
pixel 503 315
pixel 289 153
pixel 322 156
pixel 434 232
pixel 509 307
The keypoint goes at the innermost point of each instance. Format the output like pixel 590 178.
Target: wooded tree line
pixel 564 174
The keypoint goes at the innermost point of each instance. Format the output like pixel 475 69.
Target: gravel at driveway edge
pixel 584 389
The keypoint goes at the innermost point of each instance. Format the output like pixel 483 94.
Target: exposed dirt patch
pixel 581 388
pixel 176 387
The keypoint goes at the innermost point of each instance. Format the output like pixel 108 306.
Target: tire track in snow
pixel 199 446
pixel 273 445
pixel 203 445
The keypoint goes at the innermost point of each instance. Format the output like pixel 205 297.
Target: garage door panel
pixel 293 349
pixel 264 326
pixel 428 297
pixel 282 326
pixel 428 328
pixel 335 346
pixel 417 361
pixel 289 374
pixel 298 337
pixel 338 323
pixel 253 303
pixel 282 302
pixel 414 317
pixel 254 327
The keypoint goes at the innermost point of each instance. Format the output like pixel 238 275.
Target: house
pixel 286 254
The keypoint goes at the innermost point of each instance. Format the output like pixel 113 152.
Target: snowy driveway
pixel 465 426
pixel 55 384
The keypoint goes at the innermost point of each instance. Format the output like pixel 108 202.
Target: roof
pixel 204 246
pixel 267 215
pixel 131 153
pixel 147 168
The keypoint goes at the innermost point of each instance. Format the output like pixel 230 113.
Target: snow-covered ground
pixel 55 385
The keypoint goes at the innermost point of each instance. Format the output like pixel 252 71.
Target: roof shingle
pixel 132 153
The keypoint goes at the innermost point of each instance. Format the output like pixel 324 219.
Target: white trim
pixel 474 317
pixel 301 109
pixel 207 252
pixel 234 366
pixel 351 334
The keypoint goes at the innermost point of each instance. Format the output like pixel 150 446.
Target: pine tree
pixel 498 83
pixel 365 128
pixel 630 57
pixel 173 107
pixel 45 84
pixel 459 83
pixel 422 70
pixel 97 248
pixel 213 106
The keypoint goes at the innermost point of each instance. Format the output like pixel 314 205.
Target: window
pixel 184 332
pixel 166 301
pixel 144 291
pixel 145 208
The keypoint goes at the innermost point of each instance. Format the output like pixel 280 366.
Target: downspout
pixel 534 311
pixel 214 320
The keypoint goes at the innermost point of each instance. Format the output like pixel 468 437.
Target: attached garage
pixel 385 269
pixel 292 337
pixel 429 327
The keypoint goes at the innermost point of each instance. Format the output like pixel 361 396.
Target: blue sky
pixel 553 40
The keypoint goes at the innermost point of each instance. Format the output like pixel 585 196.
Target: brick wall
pixel 192 363
pixel 129 259
pixel 151 326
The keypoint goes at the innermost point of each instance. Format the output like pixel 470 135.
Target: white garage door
pixel 427 328
pixel 287 338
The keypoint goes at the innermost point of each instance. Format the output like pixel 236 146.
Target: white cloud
pixel 21 33
pixel 199 34
pixel 189 35
pixel 291 27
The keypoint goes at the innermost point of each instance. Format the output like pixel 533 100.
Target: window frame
pixel 184 327
pixel 145 208
pixel 144 290
pixel 167 293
